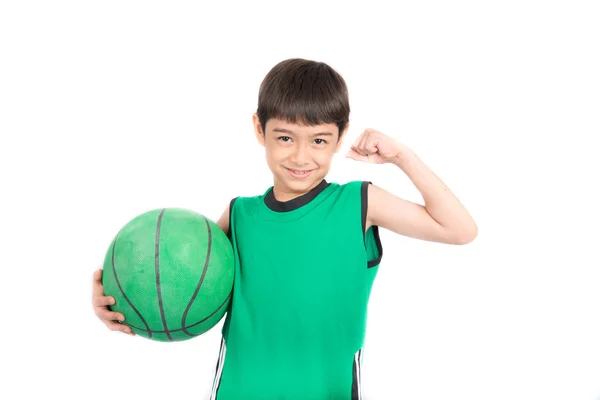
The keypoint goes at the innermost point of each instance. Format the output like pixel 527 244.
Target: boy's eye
pixel 284 138
pixel 320 141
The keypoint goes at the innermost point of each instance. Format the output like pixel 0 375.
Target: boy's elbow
pixel 467 237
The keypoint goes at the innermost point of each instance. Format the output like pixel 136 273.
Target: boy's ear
pixel 260 135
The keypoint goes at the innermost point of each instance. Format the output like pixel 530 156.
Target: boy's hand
pixel 374 147
pixel 100 303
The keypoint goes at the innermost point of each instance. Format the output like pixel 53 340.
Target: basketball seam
pixel 206 262
pixel 123 292
pixel 188 326
pixel 157 272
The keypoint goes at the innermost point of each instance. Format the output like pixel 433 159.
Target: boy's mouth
pixel 298 173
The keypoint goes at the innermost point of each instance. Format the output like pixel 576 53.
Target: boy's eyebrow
pixel 283 130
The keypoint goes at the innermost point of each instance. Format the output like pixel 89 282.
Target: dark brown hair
pixel 304 92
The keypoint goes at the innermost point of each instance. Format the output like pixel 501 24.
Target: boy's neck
pixel 284 194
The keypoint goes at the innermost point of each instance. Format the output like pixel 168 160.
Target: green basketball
pixel 171 273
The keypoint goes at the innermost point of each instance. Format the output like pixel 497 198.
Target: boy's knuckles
pixel 117 316
pixel 113 326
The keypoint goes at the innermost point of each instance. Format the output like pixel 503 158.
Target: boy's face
pixel 299 156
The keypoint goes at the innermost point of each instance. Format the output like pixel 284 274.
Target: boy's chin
pixel 303 183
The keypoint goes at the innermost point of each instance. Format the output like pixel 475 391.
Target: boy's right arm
pixel 223 221
pixel 100 302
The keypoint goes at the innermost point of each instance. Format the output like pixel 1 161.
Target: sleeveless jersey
pixel 304 270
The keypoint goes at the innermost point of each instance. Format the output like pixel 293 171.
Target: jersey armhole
pixel 229 234
pixel 371 237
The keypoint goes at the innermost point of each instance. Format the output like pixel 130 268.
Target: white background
pixel 109 109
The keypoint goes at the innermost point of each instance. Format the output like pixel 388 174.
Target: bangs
pixel 304 92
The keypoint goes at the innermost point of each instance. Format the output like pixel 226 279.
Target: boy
pixel 306 250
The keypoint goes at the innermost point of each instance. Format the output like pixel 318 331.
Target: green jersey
pixel 303 276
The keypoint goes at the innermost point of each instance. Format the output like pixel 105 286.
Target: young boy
pixel 306 250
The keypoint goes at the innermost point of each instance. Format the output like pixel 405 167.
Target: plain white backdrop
pixel 109 109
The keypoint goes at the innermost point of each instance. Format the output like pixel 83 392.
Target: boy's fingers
pixel 357 156
pixel 97 288
pixel 98 275
pixel 111 316
pixel 358 150
pixel 115 326
pixel 368 144
pixel 106 315
pixel 100 301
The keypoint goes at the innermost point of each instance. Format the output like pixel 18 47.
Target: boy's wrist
pixel 405 156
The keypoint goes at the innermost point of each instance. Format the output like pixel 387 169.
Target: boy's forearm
pixel 440 202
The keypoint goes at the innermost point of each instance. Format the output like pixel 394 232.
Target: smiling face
pixel 299 156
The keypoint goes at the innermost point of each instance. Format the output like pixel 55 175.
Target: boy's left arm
pixel 443 218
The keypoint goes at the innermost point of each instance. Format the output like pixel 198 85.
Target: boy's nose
pixel 300 156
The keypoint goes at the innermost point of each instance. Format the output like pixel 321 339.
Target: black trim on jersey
pixel 290 205
pixel 364 194
pixel 356 376
pixel 354 381
pixel 230 211
pixel 218 371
